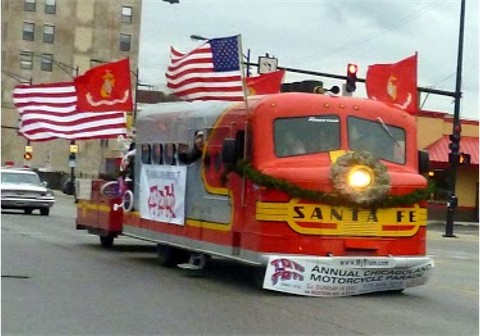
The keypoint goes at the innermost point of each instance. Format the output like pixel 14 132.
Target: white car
pixel 22 189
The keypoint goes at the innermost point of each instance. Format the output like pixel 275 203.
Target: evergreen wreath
pixel 245 169
pixel 343 165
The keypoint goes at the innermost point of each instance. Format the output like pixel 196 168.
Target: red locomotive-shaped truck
pixel 325 194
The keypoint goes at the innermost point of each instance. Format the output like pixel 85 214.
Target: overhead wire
pixel 354 43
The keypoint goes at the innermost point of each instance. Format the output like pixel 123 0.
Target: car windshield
pixel 20 178
pixel 306 135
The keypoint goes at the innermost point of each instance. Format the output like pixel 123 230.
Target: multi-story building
pixel 47 41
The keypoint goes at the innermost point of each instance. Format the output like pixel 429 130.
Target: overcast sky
pixel 325 36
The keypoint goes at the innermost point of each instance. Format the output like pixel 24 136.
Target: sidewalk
pixel 458 227
pixel 455 223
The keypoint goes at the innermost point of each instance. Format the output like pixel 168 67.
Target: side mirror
pixel 229 151
pixel 423 162
pixel 44 183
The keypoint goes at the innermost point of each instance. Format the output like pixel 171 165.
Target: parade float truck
pixel 345 214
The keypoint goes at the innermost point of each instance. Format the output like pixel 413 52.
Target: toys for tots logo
pixel 286 269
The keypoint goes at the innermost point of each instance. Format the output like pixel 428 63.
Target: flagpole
pixel 72 158
pixel 242 69
pixel 245 97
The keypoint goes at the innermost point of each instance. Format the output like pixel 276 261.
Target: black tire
pixel 396 291
pixel 28 211
pixel 170 256
pixel 106 241
pixel 258 276
pixel 44 211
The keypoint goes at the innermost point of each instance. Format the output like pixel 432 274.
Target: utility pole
pixel 455 137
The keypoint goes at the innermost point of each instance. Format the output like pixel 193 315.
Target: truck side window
pixel 170 154
pixel 146 153
pixel 157 152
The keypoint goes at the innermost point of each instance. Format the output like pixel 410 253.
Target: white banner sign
pixel 83 188
pixel 162 193
pixel 344 276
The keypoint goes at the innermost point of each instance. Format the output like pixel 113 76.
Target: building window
pixel 104 143
pixel 50 6
pixel 47 62
pixel 28 31
pixel 126 14
pixel 26 60
pixel 29 5
pixel 125 42
pixel 48 33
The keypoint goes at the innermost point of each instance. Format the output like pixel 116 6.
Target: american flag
pixel 49 111
pixel 209 72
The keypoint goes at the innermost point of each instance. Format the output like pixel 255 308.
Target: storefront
pixel 433 136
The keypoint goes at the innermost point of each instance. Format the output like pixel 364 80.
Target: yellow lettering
pixel 372 216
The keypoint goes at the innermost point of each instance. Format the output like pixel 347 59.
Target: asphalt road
pixel 59 281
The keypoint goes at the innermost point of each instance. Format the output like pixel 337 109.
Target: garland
pixel 243 168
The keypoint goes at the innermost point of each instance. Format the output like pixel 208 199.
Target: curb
pixel 455 223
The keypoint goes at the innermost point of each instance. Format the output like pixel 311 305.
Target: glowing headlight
pixel 360 177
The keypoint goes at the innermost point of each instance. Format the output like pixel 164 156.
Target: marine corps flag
pixel 105 88
pixel 265 83
pixel 394 84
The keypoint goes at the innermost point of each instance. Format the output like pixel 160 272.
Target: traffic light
pixel 351 84
pixel 464 159
pixel 455 139
pixel 27 156
pixel 73 148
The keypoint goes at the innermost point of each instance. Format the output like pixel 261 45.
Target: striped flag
pixel 209 72
pixel 49 111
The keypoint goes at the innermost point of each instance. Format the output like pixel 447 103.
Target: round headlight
pixel 360 177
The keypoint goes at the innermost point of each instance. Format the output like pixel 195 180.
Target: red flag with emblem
pixel 265 83
pixel 394 84
pixel 105 88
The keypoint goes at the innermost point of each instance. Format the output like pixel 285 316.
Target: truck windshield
pixel 306 135
pixel 384 141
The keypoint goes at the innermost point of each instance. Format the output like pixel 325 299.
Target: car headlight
pixel 360 177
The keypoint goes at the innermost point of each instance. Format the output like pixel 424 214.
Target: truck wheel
pixel 28 211
pixel 170 256
pixel 106 241
pixel 258 275
pixel 44 211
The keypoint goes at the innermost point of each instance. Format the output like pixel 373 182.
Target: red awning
pixel 439 150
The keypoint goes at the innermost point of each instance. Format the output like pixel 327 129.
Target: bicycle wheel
pixel 111 189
